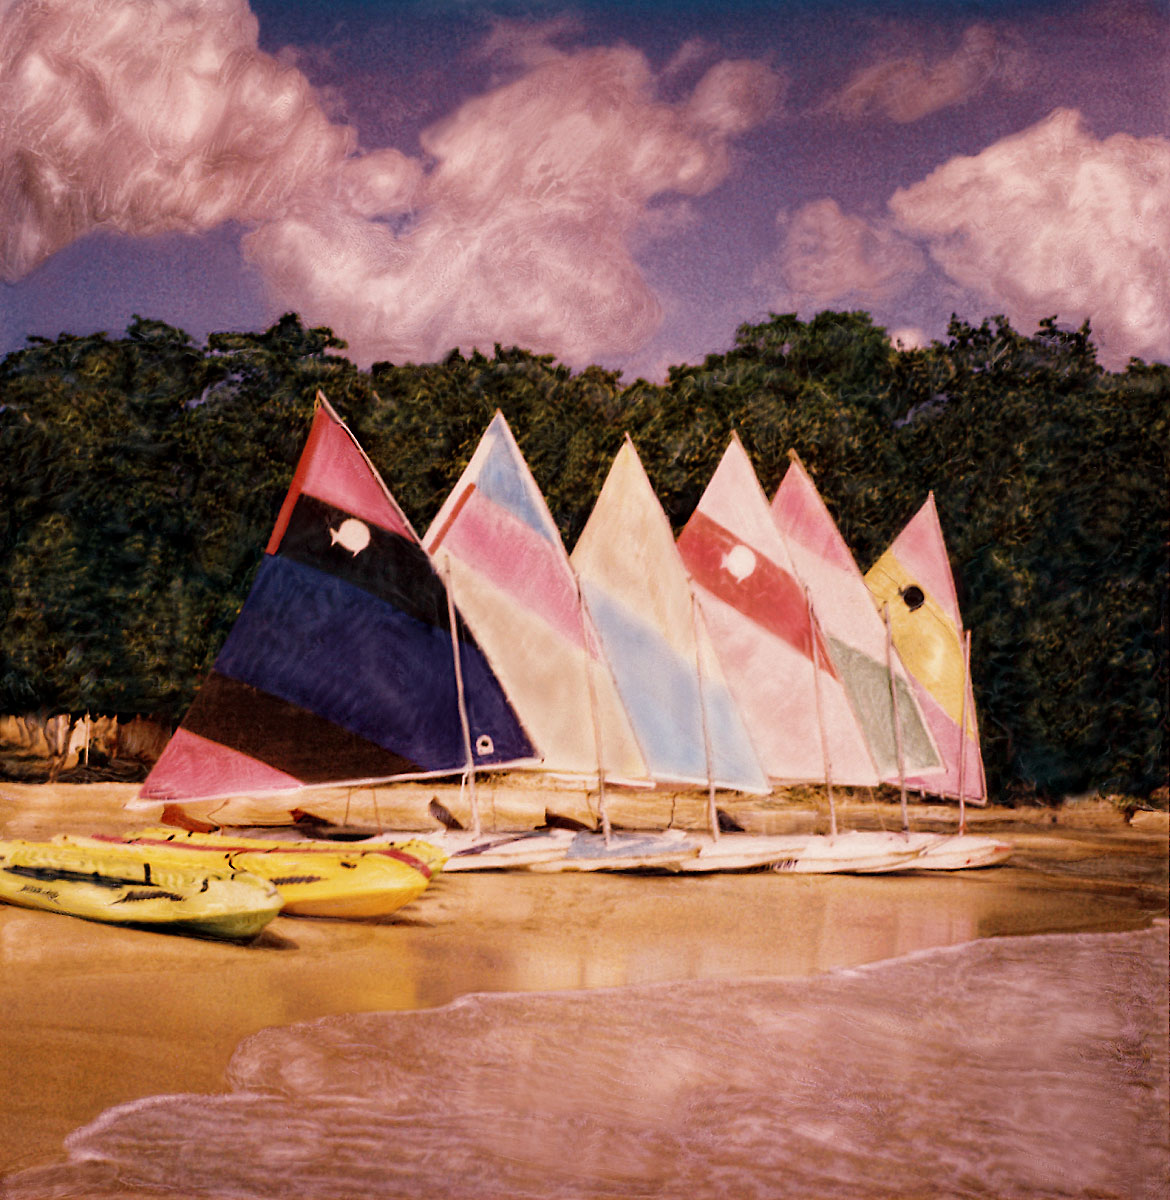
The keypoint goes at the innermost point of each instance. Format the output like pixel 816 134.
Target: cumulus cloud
pixel 909 337
pixel 906 89
pixel 146 118
pixel 521 230
pixel 828 256
pixel 1052 220
pixel 1055 220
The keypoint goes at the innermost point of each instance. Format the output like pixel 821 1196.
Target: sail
pixel 855 631
pixel 914 578
pixel 340 666
pixel 638 593
pixel 776 663
pixel 502 556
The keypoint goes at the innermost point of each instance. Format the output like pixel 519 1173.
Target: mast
pixel 602 808
pixel 896 716
pixel 464 724
pixel 712 815
pixel 963 734
pixel 814 637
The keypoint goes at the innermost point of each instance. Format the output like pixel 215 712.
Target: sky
pixel 611 183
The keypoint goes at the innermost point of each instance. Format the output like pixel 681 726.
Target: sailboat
pixel 638 593
pixel 348 663
pixel 778 669
pixel 774 656
pixel 879 691
pixel 496 544
pixel 914 587
pixel 858 642
pixel 686 718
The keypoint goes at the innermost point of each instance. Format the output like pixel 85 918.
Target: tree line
pixel 142 475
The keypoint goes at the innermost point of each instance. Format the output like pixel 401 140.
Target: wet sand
pixel 96 1016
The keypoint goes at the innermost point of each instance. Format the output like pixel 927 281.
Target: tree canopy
pixel 143 474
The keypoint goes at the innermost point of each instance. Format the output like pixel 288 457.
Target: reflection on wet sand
pixel 1003 1067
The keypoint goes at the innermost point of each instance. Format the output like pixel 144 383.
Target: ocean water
pixel 1031 1066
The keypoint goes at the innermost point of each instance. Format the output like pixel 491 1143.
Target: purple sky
pixel 612 183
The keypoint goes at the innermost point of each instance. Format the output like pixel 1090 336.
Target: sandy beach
pixel 98 1017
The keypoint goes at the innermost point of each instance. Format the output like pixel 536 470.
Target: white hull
pixel 905 847
pixel 667 851
pixel 962 852
pixel 804 854
pixel 486 852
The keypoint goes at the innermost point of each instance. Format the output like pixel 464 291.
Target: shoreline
pixel 97 1016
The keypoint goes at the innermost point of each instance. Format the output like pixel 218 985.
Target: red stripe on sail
pixel 433 543
pixel 767 594
pixel 333 469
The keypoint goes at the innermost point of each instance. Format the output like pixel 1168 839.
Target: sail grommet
pixel 484 744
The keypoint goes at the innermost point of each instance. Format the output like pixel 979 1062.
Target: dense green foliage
pixel 142 475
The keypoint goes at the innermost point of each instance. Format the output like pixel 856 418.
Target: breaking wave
pixel 1007 1067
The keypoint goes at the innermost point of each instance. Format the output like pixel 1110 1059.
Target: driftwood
pixel 65 742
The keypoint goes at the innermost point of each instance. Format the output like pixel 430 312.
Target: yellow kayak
pixel 416 852
pixel 210 899
pixel 311 883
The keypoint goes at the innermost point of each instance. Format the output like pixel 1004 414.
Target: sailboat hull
pixel 960 852
pixel 804 854
pixel 624 852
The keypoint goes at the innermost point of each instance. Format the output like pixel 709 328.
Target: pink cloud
pixel 146 118
pixel 522 230
pixel 1055 220
pixel 908 88
pixel 827 256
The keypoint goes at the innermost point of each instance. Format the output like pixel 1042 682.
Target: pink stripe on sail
pixel 921 550
pixel 192 767
pixel 517 560
pixel 803 518
pixel 947 736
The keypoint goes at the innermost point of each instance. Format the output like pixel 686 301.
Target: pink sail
pixel 497 544
pixel 854 629
pixel 776 663
pixel 913 579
